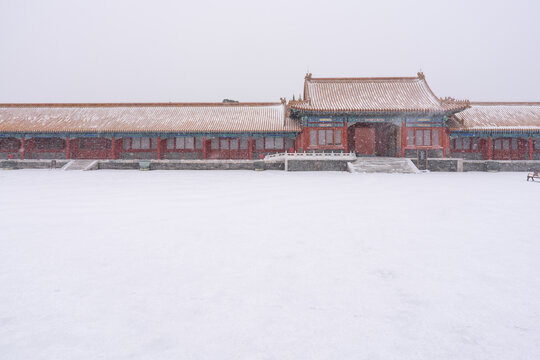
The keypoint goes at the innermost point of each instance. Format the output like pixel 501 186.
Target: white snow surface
pixel 268 265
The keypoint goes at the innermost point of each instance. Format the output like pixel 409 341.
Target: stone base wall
pixel 447 165
pixel 467 156
pixel 317 165
pixel 501 165
pixel 32 164
pixel 14 156
pixel 434 164
pixel 138 155
pixel 195 155
pixel 431 153
pixel 51 155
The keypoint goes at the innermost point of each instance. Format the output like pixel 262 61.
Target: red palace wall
pixel 186 147
pixel 496 148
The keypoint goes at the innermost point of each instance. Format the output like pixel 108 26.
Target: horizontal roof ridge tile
pixel 165 104
pixel 508 103
pixel 360 79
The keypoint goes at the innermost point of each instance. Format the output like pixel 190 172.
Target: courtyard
pixel 268 265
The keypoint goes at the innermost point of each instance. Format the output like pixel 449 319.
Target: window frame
pixel 153 143
pixel 40 144
pixel 322 133
pixel 416 137
pixel 7 142
pixel 458 144
pixel 83 144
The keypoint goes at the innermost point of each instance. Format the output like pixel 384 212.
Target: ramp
pixel 383 165
pixel 80 165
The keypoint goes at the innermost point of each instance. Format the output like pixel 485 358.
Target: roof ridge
pixel 514 103
pixel 168 104
pixel 401 78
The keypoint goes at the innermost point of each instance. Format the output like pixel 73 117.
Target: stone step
pixel 79 165
pixel 382 165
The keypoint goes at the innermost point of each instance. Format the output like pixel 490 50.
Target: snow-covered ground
pixel 268 265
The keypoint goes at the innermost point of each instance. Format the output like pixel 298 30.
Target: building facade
pixel 145 131
pixel 496 131
pixel 397 117
pixel 394 117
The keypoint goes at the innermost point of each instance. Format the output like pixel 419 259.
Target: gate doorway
pixel 373 139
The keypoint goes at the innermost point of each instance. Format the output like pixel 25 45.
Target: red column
pixel 22 150
pixel 403 139
pixel 113 148
pixel 490 149
pixel 344 138
pixel 444 143
pixel 250 148
pixel 204 147
pixel 530 148
pixel 448 142
pixel 68 149
pixel 158 147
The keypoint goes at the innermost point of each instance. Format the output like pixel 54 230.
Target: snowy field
pixel 268 265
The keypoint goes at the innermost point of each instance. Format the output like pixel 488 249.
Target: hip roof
pixel 391 94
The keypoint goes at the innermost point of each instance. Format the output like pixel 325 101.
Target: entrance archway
pixel 373 139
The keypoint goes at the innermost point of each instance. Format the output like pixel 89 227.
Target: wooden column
pixel 158 148
pixel 444 143
pixel 112 155
pixel 344 138
pixel 530 148
pixel 68 148
pixel 398 142
pixel 250 148
pixel 449 143
pixel 22 150
pixel 403 139
pixel 204 147
pixel 489 149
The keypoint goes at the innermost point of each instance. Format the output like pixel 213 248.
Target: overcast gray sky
pixel 160 50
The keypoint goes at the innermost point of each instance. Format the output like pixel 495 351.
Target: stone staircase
pixel 382 165
pixel 80 165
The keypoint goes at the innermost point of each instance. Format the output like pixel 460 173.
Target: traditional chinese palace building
pixel 396 117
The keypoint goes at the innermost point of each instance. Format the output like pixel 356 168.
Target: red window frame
pixel 269 143
pixel 179 144
pixel 505 144
pixel 49 144
pixel 130 148
pixel 466 144
pixel 94 143
pixel 336 138
pixel 416 141
pixel 232 144
pixel 10 144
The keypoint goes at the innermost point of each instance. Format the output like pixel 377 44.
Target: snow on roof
pixel 392 94
pixel 497 116
pixel 156 117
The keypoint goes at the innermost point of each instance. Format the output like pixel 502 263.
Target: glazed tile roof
pixel 166 117
pixel 484 116
pixel 403 94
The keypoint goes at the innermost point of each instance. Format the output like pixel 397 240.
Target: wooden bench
pixel 534 174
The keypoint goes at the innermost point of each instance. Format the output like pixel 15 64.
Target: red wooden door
pixel 364 140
